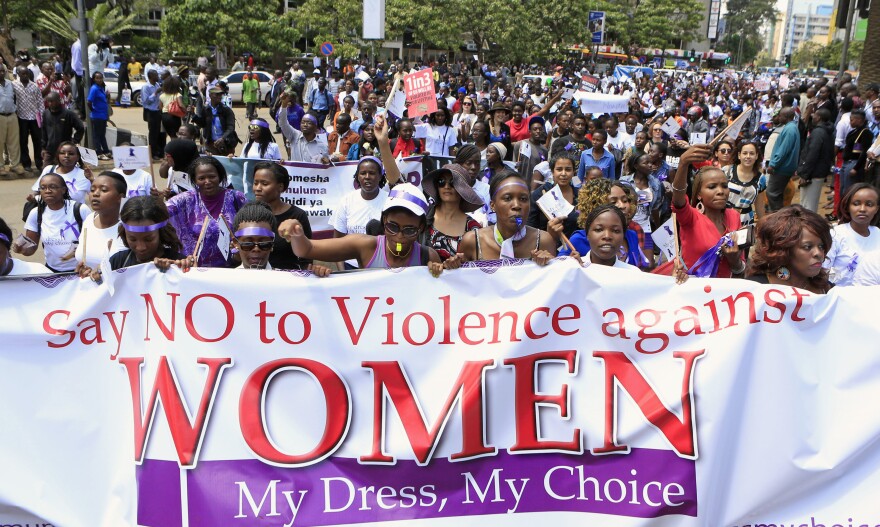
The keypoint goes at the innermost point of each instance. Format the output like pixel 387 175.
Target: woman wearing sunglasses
pixel 402 220
pixel 261 143
pixel 254 235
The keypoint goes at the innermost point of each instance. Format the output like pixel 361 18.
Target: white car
pixel 111 80
pixel 233 82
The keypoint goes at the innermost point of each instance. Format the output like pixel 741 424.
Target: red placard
pixel 420 93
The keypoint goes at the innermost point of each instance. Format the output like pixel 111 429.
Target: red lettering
pixel 306 325
pixel 187 436
pixel 389 378
pixel 463 327
pixel 681 433
pixel 407 334
pixel 230 317
pixel 250 411
pixel 644 335
pixel 557 318
pixel 620 323
pixel 774 304
pixel 526 399
pixel 731 306
pixel 169 333
pixel 497 318
pixel 800 302
pixel 354 336
pixel 528 323
pixel 47 327
pixel 447 320
pixel 694 319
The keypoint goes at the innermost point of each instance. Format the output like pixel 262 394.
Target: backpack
pixel 77 215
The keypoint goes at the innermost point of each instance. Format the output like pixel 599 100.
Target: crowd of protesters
pixel 721 155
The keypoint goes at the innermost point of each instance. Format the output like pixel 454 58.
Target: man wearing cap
pixel 306 144
pixel 218 124
pixel 311 85
pixel 321 102
pixel 696 124
pixel 152 113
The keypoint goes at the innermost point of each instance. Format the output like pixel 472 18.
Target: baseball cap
pixel 407 196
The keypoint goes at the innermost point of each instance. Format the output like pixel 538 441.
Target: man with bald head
pixel 59 125
pixel 784 160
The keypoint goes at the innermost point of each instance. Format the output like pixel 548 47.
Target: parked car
pixel 45 52
pixel 111 80
pixel 233 82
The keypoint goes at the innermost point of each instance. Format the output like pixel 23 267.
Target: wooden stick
pixel 84 240
pixel 565 239
pixel 150 155
pixel 676 248
pixel 200 240
pixel 723 134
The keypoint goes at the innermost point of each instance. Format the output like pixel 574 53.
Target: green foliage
pixel 745 20
pixel 106 20
pixel 189 26
pixel 145 45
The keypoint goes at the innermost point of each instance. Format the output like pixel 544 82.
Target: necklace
pixel 398 253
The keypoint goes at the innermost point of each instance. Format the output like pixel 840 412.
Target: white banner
pixel 601 103
pixel 557 395
pixel 315 188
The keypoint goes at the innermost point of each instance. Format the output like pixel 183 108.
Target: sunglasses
pixel 409 231
pixel 724 150
pixel 441 182
pixel 254 127
pixel 249 246
pixel 466 104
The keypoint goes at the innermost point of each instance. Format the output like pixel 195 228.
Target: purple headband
pixel 399 194
pixel 518 183
pixel 144 228
pixel 4 238
pixel 254 231
pixel 374 159
pixel 309 117
pixel 257 122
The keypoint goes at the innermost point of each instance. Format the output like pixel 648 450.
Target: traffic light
pixel 788 60
pixel 693 55
pixel 727 60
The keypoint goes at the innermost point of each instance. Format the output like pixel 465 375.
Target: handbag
pixel 175 108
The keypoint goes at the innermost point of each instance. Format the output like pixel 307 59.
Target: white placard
pixel 554 204
pixel 568 94
pixel 125 99
pixel 88 155
pixel 130 157
pixel 664 238
pixel 698 138
pixel 670 126
pixel 178 181
pixel 525 149
pixel 363 76
pixel 224 237
pixel 398 104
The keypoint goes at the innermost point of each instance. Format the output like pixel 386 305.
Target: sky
pixel 801 6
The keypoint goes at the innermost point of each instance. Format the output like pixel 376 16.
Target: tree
pixel 339 22
pixel 829 55
pixel 806 55
pixel 189 26
pixel 870 64
pixel 744 20
pixel 106 20
pixel 662 24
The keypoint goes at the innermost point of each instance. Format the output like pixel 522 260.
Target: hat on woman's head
pixel 500 148
pixel 470 200
pixel 499 106
pixel 408 196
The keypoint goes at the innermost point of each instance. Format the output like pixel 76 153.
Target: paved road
pixel 12 193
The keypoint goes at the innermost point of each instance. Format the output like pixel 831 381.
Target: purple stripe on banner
pixel 159 494
pixel 645 483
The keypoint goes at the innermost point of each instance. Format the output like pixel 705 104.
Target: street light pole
pixel 84 59
pixel 844 62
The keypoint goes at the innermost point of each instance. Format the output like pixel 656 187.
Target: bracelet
pixel 740 270
pixel 678 189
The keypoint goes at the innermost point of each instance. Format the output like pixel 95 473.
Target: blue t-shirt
pixel 98 98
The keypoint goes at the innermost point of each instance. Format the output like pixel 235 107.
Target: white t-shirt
pixel 99 244
pixel 618 263
pixel 438 139
pixel 77 184
pixel 139 183
pixel 621 142
pixel 354 212
pixel 272 152
pixel 59 234
pixel 22 267
pixel 849 252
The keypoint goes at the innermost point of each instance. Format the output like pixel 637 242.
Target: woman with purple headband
pixel 260 144
pixel 403 220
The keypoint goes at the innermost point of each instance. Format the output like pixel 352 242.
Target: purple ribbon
pixel 254 231
pixel 144 228
pixel 257 122
pixel 399 194
pixel 707 265
pixel 73 228
pixel 851 268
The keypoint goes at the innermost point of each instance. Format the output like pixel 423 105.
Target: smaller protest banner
pixel 88 155
pixel 420 93
pixel 129 157
pixel 664 238
pixel 670 126
pixel 553 204
pixel 589 83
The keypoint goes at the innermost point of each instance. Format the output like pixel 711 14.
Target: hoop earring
pixel 700 207
pixel 783 273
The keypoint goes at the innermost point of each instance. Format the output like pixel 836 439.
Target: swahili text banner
pixel 504 394
pixel 315 188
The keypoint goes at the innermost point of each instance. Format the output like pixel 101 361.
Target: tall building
pixel 803 27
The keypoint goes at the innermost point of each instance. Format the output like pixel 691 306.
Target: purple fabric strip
pixel 497 190
pixel 254 231
pixel 398 194
pixel 144 228
pixel 257 122
pixel 707 265
pixel 4 238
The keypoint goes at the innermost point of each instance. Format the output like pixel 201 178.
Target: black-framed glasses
pixel 44 188
pixel 409 231
pixel 249 246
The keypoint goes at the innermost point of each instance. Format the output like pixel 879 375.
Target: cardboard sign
pixel 224 238
pixel 762 85
pixel 554 204
pixel 88 156
pixel 589 83
pixel 125 99
pixel 698 138
pixel 664 238
pixel 670 126
pixel 129 157
pixel 420 93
